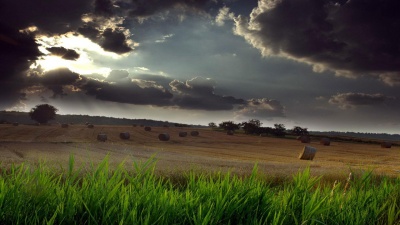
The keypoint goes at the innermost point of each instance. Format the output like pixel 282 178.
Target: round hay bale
pixel 90 126
pixel 194 133
pixel 147 128
pixel 230 132
pixel 125 135
pixel 308 153
pixel 163 137
pixel 183 134
pixel 386 145
pixel 263 135
pixel 304 139
pixel 102 137
pixel 325 141
pixel 15 124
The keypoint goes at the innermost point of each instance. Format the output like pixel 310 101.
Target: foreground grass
pixel 101 196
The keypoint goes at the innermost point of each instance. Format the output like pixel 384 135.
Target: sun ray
pixel 83 46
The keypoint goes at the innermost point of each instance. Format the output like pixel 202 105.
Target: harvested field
pixel 211 150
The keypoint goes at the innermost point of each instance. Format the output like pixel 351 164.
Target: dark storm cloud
pixel 104 8
pixel 114 40
pixel 55 16
pixel 350 100
pixel 352 38
pixel 18 51
pixel 89 31
pixel 67 54
pixel 198 93
pixel 261 108
pixel 56 80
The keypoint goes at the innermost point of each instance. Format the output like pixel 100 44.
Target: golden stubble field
pixel 210 151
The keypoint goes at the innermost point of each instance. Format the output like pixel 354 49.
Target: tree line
pixel 45 112
pixel 253 126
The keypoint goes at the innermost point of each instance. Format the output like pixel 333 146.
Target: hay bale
pixel 102 137
pixel 64 125
pixel 230 132
pixel 183 134
pixel 194 133
pixel 304 139
pixel 163 137
pixel 386 144
pixel 147 128
pixel 125 135
pixel 308 153
pixel 325 141
pixel 15 124
pixel 90 126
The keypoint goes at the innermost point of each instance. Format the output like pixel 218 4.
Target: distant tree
pixel 212 125
pixel 279 129
pixel 256 122
pixel 43 113
pixel 252 126
pixel 229 125
pixel 299 131
pixel 265 130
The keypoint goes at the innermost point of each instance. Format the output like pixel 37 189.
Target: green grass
pixel 99 195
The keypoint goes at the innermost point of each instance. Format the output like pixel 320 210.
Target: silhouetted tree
pixel 229 125
pixel 252 126
pixel 212 125
pixel 43 113
pixel 299 131
pixel 279 130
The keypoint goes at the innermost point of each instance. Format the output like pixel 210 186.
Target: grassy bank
pixel 98 195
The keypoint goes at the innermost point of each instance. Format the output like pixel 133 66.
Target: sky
pixel 326 65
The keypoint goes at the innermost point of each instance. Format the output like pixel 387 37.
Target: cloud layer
pixel 18 52
pixel 351 100
pixel 198 93
pixel 64 53
pixel 351 38
pixel 105 22
pixel 261 108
